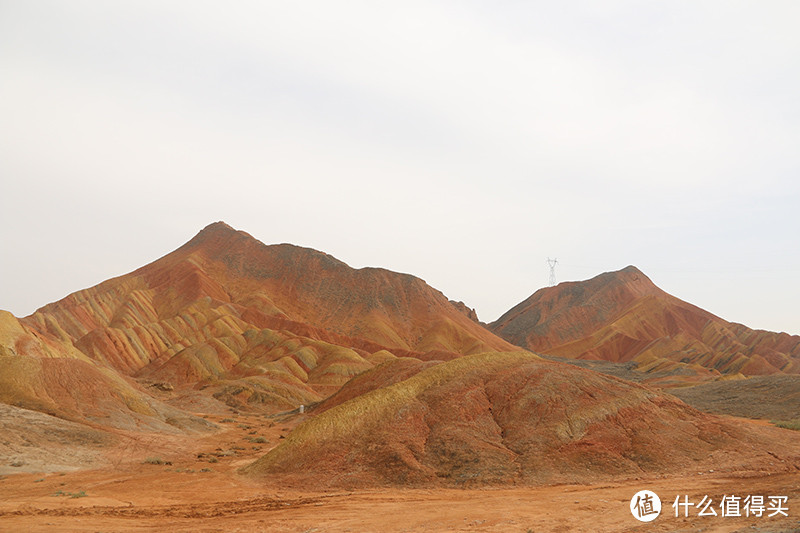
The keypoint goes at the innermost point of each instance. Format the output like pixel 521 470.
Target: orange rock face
pixel 623 316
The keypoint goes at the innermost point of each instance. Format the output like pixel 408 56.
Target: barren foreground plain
pixel 194 494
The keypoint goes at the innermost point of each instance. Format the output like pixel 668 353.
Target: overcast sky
pixel 462 142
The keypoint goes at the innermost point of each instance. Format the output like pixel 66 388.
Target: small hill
pixel 502 418
pixel 623 316
pixel 387 373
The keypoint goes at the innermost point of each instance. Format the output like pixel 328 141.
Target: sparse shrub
pixel 787 424
pixel 213 459
pixel 38 480
pixel 154 461
pixel 206 470
pixel 17 464
pixel 81 494
pixel 227 420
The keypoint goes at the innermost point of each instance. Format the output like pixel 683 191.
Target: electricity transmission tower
pixel 552 264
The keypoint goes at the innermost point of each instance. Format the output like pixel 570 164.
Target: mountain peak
pixel 629 275
pixel 628 280
pixel 630 269
pixel 216 235
pixel 221 265
pixel 217 230
pixel 217 226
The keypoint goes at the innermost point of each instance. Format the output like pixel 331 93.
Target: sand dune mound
pixel 504 418
pixel 622 316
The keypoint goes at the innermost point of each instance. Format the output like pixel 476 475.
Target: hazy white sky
pixel 463 142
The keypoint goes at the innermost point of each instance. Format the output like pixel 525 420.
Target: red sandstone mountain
pixel 224 267
pixel 273 325
pixel 623 316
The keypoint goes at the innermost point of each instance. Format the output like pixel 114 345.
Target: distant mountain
pixel 622 316
pixel 273 325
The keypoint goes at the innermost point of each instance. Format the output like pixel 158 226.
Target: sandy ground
pixel 200 491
